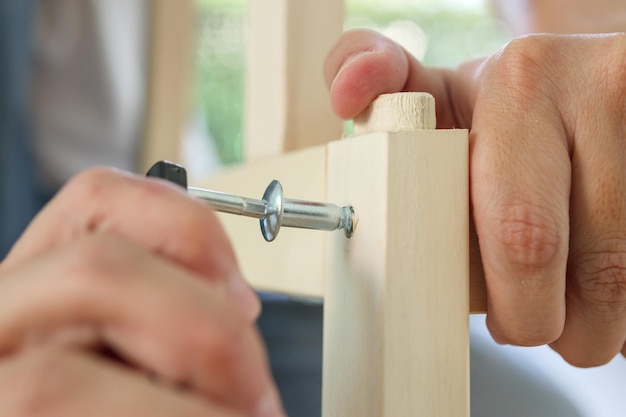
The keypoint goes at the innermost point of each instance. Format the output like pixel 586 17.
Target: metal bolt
pixel 275 211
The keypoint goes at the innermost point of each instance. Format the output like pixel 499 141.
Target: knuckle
pixel 601 279
pixel 87 191
pixel 521 62
pixel 531 240
pixel 609 75
pixel 89 183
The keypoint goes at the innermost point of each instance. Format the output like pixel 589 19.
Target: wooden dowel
pixel 170 58
pixel 399 112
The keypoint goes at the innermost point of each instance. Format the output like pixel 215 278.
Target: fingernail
pixel 244 296
pixel 349 61
pixel 269 407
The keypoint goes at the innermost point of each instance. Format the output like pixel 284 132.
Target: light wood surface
pixel 170 44
pixel 396 339
pixel 287 105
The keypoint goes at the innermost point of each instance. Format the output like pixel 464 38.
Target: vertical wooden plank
pixel 396 338
pixel 287 105
pixel 170 42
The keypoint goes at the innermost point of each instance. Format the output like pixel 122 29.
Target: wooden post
pixel 396 337
pixel 170 42
pixel 287 105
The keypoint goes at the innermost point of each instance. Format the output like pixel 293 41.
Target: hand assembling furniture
pixel 101 270
pixel 546 115
pixel 113 303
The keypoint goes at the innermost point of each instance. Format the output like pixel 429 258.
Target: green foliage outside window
pixel 454 34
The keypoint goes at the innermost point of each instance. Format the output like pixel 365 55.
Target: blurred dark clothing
pixel 20 194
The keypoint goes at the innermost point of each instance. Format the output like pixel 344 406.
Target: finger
pixel 364 64
pixel 361 66
pixel 520 182
pixel 48 382
pixel 154 314
pixel 595 326
pixel 152 213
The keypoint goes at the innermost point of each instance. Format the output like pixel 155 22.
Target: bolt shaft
pixel 295 213
pixel 311 215
pixel 233 204
pixel 273 209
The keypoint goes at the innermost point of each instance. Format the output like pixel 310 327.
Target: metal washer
pixel 273 219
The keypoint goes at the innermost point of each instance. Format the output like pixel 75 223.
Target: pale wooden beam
pixel 171 34
pixel 396 337
pixel 287 105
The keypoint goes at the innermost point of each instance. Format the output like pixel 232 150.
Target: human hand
pixel 547 118
pixel 124 298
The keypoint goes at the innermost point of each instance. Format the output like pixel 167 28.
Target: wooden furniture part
pixel 396 296
pixel 295 263
pixel 287 107
pixel 286 103
pixel 396 340
pixel 396 331
pixel 170 54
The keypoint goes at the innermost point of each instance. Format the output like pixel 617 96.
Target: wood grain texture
pixel 295 262
pixel 171 40
pixel 396 339
pixel 287 105
pixel 398 112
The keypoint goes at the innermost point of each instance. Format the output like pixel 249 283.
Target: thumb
pixel 364 64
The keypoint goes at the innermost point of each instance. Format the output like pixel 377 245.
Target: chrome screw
pixel 275 211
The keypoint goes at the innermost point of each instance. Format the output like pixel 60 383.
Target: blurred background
pixel 454 30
